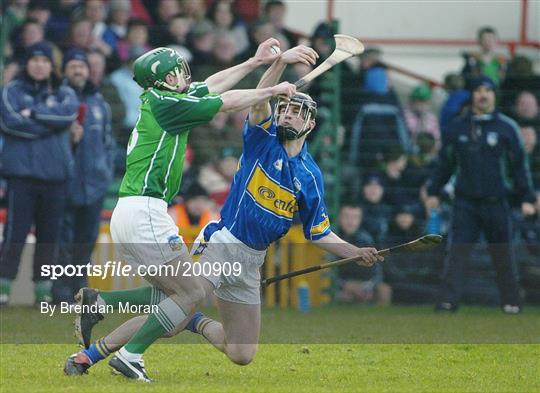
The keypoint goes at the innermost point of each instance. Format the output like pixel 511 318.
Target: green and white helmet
pixel 151 68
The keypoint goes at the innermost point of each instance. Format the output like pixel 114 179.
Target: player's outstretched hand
pixel 266 52
pixel 300 54
pixel 284 89
pixel 369 256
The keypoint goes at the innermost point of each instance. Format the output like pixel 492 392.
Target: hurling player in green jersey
pixel 140 226
pixel 238 333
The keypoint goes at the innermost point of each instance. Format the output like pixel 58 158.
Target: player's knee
pixel 241 355
pixel 197 295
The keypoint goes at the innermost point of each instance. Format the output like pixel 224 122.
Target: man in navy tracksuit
pixel 92 144
pixel 484 150
pixel 35 116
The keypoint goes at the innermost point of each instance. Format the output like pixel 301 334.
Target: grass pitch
pixel 400 349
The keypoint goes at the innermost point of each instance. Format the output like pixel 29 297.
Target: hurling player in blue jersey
pixel 276 180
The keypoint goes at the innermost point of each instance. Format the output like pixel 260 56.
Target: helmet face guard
pixel 182 73
pixel 307 110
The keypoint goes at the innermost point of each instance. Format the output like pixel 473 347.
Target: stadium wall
pixel 436 20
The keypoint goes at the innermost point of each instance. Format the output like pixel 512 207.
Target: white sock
pixel 130 357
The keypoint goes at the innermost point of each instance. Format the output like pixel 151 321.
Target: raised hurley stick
pixel 423 243
pixel 346 46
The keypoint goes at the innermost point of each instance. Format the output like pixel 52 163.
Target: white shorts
pixel 223 247
pixel 144 232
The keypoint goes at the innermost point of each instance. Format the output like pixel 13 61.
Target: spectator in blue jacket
pixel 92 144
pixel 457 98
pixel 484 150
pixel 35 116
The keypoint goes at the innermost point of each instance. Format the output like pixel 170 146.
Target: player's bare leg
pixel 237 335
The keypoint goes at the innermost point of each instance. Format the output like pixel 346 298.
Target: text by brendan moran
pixel 123 308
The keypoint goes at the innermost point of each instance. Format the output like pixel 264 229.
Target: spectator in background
pixel 35 116
pixel 120 11
pixel 14 16
pixel 136 36
pixel 40 11
pixel 275 11
pixel 376 212
pixel 103 37
pixel 129 90
pixel 81 37
pixel 216 177
pixel 224 51
pixel 395 164
pixel 456 100
pixel 520 77
pixel 59 24
pixel 92 143
pixel 260 31
pixel 483 150
pixel 202 39
pixel 30 33
pixel 209 140
pixel 196 209
pixel 195 9
pixel 421 163
pixel 166 10
pixel 179 28
pixel 373 74
pixel 526 109
pixel 410 275
pixel 359 284
pixel 11 69
pixel 96 61
pixel 27 34
pixel 404 224
pixel 530 142
pixel 321 40
pixel 221 14
pixel 418 116
pixel 486 62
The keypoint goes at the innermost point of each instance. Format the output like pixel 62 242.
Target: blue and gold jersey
pixel 270 188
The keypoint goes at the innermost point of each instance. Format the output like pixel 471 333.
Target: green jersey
pixel 157 145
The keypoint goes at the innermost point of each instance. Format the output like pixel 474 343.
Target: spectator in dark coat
pixel 93 146
pixel 35 117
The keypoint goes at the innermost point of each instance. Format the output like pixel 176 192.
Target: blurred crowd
pixel 390 147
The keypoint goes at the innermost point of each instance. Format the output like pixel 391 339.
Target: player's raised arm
pixel 298 54
pixel 226 79
pixel 236 100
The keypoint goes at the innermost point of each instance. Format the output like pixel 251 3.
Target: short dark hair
pixel 486 29
pixel 30 21
pixel 39 5
pixel 133 22
pixel 350 203
pixel 273 3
